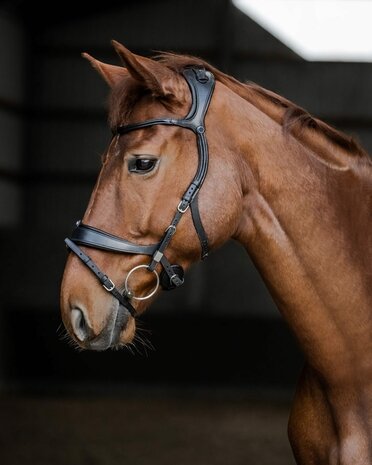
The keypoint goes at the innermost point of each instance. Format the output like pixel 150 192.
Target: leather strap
pixel 106 282
pixel 93 237
pixel 203 238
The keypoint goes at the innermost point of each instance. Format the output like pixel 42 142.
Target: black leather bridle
pixel 201 84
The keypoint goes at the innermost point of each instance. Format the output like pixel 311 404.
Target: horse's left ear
pixel 153 75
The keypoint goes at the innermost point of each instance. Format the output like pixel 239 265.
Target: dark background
pixel 221 330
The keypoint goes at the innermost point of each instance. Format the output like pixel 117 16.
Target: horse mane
pixel 294 119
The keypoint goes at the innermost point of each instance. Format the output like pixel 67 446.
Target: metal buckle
pixel 180 209
pixel 109 289
pixel 176 280
pixel 171 226
pixel 128 291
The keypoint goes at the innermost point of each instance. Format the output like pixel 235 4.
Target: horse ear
pixel 152 74
pixel 110 73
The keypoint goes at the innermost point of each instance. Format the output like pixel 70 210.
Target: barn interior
pixel 214 382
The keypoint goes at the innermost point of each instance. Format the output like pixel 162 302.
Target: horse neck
pixel 304 223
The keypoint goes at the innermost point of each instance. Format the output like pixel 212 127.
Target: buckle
pixel 176 280
pixel 182 210
pixel 108 289
pixel 201 75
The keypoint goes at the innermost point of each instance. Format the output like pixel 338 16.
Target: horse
pixel 198 158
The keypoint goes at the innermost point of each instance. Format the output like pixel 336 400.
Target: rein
pixel 201 84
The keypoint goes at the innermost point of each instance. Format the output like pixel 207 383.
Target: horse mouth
pixel 118 331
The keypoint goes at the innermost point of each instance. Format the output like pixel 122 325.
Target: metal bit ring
pixel 129 292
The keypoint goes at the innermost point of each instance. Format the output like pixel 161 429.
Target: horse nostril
pixel 79 324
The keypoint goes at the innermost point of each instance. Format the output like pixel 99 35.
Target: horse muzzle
pixel 110 336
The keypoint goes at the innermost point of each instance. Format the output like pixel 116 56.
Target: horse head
pixel 168 192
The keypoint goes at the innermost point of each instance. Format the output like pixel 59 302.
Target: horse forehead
pixel 145 108
pixel 148 109
pixel 152 140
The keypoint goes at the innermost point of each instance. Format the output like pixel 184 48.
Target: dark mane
pixel 294 119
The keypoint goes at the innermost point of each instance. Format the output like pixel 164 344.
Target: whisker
pixel 129 348
pixel 64 336
pixel 144 342
pixel 60 328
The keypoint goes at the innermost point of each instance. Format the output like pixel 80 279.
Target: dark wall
pixel 53 130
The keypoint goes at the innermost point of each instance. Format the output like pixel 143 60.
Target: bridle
pixel 201 84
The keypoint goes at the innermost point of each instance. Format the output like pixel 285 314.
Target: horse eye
pixel 141 165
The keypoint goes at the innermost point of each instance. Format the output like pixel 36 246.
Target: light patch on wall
pixel 317 30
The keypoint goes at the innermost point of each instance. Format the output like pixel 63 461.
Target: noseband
pixel 201 84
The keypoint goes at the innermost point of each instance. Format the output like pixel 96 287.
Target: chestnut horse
pixel 296 193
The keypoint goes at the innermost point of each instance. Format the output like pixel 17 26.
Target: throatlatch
pixel 201 84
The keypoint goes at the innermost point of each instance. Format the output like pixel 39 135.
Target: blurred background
pixel 217 385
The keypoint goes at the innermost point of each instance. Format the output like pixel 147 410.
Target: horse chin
pixel 127 334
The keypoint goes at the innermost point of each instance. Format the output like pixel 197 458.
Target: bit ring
pixel 129 292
